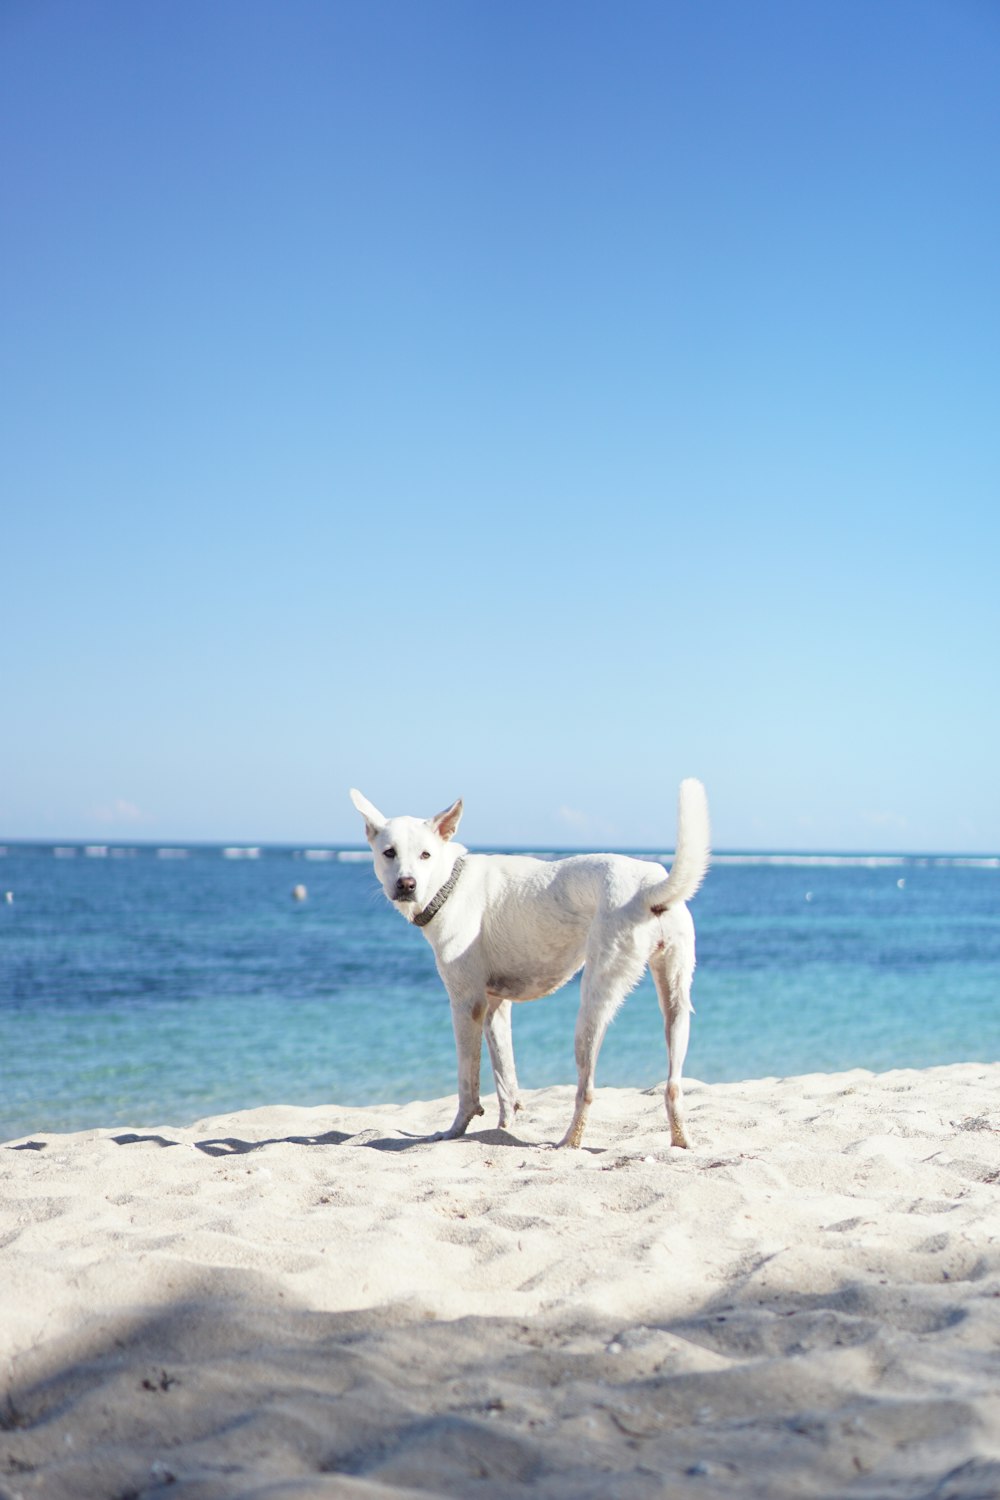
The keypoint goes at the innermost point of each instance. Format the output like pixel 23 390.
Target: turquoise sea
pixel 143 986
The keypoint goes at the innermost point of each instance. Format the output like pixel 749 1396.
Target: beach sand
pixel 305 1303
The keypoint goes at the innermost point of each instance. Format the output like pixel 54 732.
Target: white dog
pixel 507 927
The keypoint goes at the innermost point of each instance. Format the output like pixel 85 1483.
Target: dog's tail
pixel 694 836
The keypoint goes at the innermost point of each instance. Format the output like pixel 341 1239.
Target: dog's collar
pixel 435 904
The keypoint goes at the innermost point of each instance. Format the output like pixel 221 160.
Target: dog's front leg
pixel 467 1021
pixel 501 1045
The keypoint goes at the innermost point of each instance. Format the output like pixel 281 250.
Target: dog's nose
pixel 405 885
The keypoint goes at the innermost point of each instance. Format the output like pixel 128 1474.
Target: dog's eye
pixel 389 853
pixel 425 854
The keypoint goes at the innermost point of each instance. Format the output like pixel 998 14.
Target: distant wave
pixel 360 856
pixel 862 861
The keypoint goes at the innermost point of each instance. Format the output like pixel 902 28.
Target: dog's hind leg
pixel 602 990
pixel 467 1022
pixel 500 1043
pixel 672 977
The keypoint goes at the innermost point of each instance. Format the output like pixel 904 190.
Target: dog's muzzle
pixel 406 889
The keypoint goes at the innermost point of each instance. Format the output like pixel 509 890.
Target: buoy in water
pixel 299 893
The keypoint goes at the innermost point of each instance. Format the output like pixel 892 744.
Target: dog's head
pixel 413 856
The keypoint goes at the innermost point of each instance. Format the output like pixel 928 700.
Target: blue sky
pixel 533 402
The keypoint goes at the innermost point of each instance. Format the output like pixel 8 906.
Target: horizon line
pixel 96 848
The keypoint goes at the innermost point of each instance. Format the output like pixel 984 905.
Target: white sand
pixel 312 1303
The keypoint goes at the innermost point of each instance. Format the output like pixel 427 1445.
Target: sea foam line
pixel 863 861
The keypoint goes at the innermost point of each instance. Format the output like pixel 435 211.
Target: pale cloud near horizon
pixel 120 811
pixel 573 817
pixel 887 820
pixel 583 824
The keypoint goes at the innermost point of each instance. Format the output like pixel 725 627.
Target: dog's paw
pixel 459 1125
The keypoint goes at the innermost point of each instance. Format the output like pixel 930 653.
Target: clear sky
pixel 535 402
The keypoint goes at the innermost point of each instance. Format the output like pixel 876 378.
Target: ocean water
pixel 145 986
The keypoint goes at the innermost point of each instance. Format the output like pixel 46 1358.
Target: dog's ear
pixel 374 820
pixel 445 823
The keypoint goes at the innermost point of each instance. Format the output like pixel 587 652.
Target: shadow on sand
pixel 230 1393
pixel 234 1146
